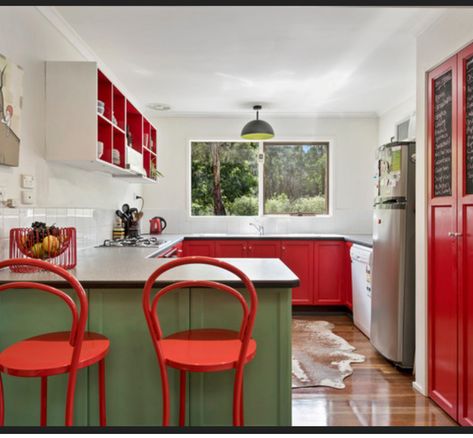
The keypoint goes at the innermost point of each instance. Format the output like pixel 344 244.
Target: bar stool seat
pixel 201 350
pixel 50 354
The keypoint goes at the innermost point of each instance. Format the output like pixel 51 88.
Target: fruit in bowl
pixel 42 241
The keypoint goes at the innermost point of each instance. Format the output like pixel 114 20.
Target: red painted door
pixel 298 255
pixel 330 260
pixel 465 236
pixel 231 248
pixel 199 248
pixel 264 249
pixel 442 249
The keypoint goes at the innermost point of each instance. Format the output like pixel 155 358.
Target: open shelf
pixel 73 91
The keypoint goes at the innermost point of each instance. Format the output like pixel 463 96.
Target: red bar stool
pixel 202 350
pixel 55 353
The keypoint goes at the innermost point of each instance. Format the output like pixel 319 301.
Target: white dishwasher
pixel 361 265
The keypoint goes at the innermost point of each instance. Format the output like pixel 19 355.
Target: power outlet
pixel 27 181
pixel 27 197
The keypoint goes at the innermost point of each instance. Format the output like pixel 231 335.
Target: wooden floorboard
pixel 376 394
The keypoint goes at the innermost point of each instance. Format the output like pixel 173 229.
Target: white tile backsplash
pixel 93 225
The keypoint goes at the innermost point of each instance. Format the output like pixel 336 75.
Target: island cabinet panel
pixel 298 255
pixel 267 378
pixel 231 248
pixel 347 280
pixel 330 258
pixel 264 249
pixel 133 383
pixel 199 248
pixel 28 313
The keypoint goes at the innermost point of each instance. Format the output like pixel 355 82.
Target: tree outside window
pixel 224 178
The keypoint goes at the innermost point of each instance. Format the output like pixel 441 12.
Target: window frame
pixel 290 140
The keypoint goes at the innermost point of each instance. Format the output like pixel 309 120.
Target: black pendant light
pixel 257 129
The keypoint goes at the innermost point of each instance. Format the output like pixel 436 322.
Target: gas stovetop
pixel 133 242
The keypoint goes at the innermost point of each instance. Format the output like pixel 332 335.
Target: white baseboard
pixel 419 388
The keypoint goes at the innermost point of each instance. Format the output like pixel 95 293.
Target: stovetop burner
pixel 134 242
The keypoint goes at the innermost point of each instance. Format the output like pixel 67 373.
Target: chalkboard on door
pixel 469 127
pixel 443 135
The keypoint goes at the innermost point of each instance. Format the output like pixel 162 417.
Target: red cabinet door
pixel 443 247
pixel 298 255
pixel 264 249
pixel 330 260
pixel 465 236
pixel 231 248
pixel 199 248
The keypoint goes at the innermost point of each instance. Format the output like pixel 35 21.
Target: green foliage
pixel 294 178
pixel 244 206
pixel 239 176
pixel 281 204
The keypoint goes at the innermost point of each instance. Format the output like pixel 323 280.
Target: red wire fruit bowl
pixel 52 244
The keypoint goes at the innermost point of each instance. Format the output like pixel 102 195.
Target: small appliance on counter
pixel 157 225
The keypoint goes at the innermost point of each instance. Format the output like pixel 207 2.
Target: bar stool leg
pixel 237 387
pixel 2 403
pixel 242 419
pixel 102 395
pixel 44 401
pixel 182 398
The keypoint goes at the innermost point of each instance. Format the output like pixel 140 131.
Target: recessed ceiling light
pixel 159 106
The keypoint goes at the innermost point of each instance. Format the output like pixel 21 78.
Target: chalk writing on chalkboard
pixel 443 135
pixel 469 127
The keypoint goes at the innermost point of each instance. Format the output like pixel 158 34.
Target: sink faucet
pixel 259 227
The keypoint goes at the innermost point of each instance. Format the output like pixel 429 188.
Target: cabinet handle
pixel 250 248
pixel 284 248
pixel 453 234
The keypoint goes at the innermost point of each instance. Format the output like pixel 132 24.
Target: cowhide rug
pixel 320 357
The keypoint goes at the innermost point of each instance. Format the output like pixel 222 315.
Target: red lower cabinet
pixel 264 249
pixel 231 248
pixel 298 255
pixel 323 266
pixel 199 248
pixel 329 258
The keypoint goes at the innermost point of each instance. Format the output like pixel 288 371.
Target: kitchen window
pixel 226 175
pixel 295 178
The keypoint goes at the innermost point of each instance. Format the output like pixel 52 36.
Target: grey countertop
pixel 131 267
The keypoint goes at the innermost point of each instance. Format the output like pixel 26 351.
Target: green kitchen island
pixel 113 279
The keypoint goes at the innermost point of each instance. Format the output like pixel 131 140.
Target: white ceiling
pixel 222 60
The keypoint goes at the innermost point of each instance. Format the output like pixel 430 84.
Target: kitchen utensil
pixel 125 208
pixel 99 149
pixel 157 225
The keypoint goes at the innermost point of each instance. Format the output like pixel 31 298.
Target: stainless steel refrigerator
pixel 393 275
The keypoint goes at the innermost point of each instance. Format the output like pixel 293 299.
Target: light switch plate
pixel 27 197
pixel 27 181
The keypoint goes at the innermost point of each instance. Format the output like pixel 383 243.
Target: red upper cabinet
pixel 231 248
pixel 265 249
pixel 330 259
pixel 199 248
pixel 298 255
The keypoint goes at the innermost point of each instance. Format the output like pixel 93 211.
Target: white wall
pixel 354 141
pixel 389 119
pixel 28 39
pixel 451 32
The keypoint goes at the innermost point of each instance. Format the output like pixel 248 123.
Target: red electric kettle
pixel 157 225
